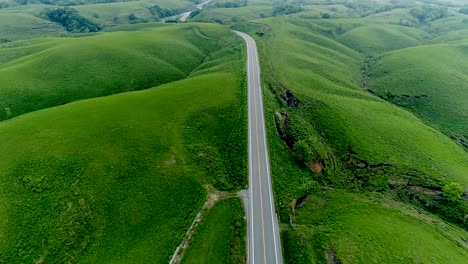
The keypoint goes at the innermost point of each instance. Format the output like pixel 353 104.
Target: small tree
pixel 464 10
pixel 453 191
pixel 132 18
pixel 302 151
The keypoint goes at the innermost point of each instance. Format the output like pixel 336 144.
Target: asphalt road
pixel 184 16
pixel 263 232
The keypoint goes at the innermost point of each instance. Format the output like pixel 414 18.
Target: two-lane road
pixel 263 232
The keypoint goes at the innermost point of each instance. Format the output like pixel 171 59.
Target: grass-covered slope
pixel 350 228
pixel 349 118
pixel 316 95
pixel 71 69
pixel 14 26
pixel 118 12
pixel 430 81
pixel 113 179
pixel 24 21
pixel 221 235
pixel 371 39
pixel 317 59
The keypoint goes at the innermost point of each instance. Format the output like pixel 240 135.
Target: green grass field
pixel 221 235
pixel 71 69
pixel 113 179
pixel 380 38
pixel 354 228
pixel 433 73
pixel 14 26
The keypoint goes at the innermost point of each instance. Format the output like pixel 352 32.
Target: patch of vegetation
pixel 464 10
pixel 295 247
pixel 286 9
pixel 71 20
pixel 230 4
pixel 77 2
pixel 133 19
pixel 221 235
pixel 228 169
pixel 427 13
pixel 161 12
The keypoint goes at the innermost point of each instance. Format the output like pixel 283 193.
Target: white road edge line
pixel 250 161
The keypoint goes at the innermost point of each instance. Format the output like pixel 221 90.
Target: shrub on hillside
pixel 160 12
pixel 429 13
pixel 75 2
pixel 133 19
pixel 453 191
pixel 232 4
pixel 303 152
pixel 286 9
pixel 71 20
pixel 464 10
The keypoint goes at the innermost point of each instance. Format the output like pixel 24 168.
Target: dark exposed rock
pixel 461 139
pixel 282 122
pixel 290 99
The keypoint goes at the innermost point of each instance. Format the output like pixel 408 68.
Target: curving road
pixel 184 16
pixel 263 232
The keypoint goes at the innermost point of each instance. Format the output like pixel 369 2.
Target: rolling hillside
pixel 358 142
pixel 14 26
pixel 119 179
pixel 354 228
pixel 336 111
pixel 27 21
pixel 112 142
pixel 371 39
pixel 106 13
pixel 429 81
pixel 71 69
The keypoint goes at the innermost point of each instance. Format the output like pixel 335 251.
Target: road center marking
pixel 259 178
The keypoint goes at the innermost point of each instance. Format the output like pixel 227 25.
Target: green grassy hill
pixel 380 38
pixel 429 81
pixel 14 26
pixel 105 13
pixel 71 69
pixel 253 10
pixel 117 179
pixel 221 236
pixel 366 114
pixel 358 142
pixel 352 228
pixel 347 116
pixel 26 21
